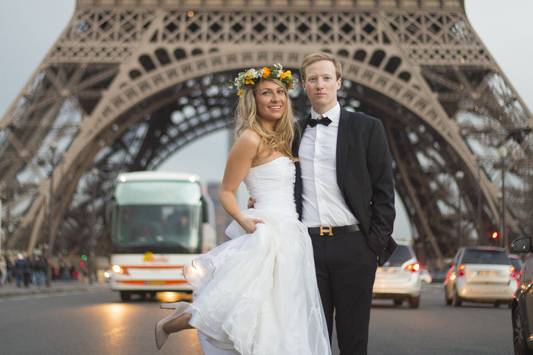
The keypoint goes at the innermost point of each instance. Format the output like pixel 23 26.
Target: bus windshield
pixel 159 216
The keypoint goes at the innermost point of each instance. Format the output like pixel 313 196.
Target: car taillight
pixel 413 267
pixel 461 270
pixel 515 275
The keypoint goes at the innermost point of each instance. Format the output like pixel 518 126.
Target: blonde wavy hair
pixel 283 134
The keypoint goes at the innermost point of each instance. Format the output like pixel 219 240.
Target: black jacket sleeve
pixel 379 163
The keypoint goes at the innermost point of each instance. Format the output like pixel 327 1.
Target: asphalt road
pixel 437 329
pixel 97 322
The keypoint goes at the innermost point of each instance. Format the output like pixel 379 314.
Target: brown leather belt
pixel 330 231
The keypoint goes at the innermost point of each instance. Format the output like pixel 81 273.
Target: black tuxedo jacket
pixel 364 176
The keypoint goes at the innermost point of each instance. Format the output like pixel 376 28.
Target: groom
pixel 345 195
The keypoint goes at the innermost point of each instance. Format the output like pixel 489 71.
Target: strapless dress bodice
pixel 272 185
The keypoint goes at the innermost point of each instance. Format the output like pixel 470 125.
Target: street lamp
pixel 479 201
pixel 1 230
pixel 459 175
pixel 51 235
pixel 502 152
pixel 93 186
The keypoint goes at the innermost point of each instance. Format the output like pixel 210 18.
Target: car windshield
pixel 400 256
pixel 493 257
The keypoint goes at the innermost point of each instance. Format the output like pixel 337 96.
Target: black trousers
pixel 345 270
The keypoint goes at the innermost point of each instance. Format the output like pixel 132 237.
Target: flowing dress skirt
pixel 257 293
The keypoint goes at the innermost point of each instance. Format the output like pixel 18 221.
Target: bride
pixel 256 294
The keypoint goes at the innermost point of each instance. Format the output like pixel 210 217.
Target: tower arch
pixel 418 66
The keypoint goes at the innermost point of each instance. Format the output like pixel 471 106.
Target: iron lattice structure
pixel 129 82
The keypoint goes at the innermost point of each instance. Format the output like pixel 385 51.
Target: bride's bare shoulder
pixel 248 138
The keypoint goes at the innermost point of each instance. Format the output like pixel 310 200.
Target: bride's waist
pixel 287 208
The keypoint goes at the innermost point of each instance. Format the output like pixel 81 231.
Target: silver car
pixel 480 274
pixel 400 278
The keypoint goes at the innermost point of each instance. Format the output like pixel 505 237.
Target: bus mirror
pixel 108 209
pixel 205 212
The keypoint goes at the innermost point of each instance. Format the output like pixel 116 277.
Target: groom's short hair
pixel 317 57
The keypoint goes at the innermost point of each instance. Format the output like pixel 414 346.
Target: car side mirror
pixel 521 245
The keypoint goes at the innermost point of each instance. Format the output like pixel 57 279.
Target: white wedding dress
pixel 256 294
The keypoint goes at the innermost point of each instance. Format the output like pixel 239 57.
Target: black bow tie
pixel 324 120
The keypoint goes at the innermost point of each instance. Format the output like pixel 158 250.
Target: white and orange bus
pixel 159 222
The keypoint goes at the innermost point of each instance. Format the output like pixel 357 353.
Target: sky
pixel 28 29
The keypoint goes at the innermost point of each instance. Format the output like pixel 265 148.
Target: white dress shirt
pixel 323 203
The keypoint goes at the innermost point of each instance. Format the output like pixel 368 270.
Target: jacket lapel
pixel 298 188
pixel 300 127
pixel 342 148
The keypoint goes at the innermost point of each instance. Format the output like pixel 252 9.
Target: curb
pixel 48 290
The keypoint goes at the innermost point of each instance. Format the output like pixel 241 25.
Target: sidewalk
pixel 55 287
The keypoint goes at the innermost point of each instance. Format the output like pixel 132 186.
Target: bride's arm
pixel 238 165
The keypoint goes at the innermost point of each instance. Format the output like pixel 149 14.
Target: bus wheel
pixel 125 296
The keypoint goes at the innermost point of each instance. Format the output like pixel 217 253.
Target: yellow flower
pixel 285 74
pixel 266 72
pixel 249 79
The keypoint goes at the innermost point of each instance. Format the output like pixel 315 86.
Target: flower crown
pixel 249 78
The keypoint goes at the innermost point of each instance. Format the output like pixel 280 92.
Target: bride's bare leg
pixel 177 324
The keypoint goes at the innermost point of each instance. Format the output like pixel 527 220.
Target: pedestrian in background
pixel 22 271
pixel 27 273
pixel 3 270
pixel 9 266
pixel 39 267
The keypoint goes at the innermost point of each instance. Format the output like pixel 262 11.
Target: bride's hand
pixel 251 202
pixel 249 224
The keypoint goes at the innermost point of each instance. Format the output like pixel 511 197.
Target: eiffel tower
pixel 130 82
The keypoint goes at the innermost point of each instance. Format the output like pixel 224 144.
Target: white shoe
pixel 160 335
pixel 171 305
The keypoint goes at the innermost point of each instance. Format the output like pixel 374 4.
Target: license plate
pixel 487 273
pixel 386 271
pixel 155 282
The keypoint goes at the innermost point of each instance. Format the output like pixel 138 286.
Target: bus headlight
pixel 117 269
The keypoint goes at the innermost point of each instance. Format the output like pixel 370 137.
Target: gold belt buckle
pixel 326 231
